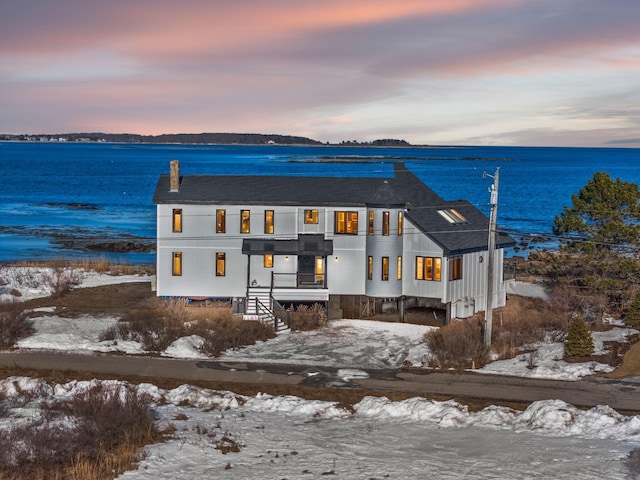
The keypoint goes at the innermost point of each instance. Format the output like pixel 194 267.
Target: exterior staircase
pixel 260 305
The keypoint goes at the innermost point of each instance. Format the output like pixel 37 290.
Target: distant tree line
pixel 197 138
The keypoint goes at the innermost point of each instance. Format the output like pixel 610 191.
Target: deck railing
pixel 298 280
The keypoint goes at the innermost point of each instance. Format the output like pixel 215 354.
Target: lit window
pixel 346 222
pixel 319 270
pixel 455 268
pixel 370 268
pixel 177 264
pixel 220 264
pixel 245 221
pixel 268 260
pixel 385 223
pixel 268 221
pixel 311 216
pixel 428 268
pixel 451 215
pixel 177 220
pixel 221 221
pixel 385 268
pixel 419 268
pixel 399 268
pixel 371 216
pixel 399 223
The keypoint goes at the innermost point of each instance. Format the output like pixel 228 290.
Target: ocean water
pixel 53 192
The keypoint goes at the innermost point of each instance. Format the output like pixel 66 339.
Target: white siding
pixel 378 246
pixel 418 245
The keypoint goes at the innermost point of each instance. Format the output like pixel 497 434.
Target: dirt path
pixel 586 393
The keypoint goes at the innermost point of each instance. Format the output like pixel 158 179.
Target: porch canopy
pixel 312 245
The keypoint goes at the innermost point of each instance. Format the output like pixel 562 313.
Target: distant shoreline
pixel 199 139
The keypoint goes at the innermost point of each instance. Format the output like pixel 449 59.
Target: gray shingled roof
pixel 402 190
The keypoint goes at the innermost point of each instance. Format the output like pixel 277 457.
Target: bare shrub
pixel 307 317
pixel 155 328
pixel 4 408
pixel 14 323
pixel 158 327
pixel 525 321
pixel 94 435
pixel 458 345
pixel 233 333
pixel 62 280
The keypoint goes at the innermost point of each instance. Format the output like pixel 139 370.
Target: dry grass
pixel 158 326
pixel 630 364
pixel 97 264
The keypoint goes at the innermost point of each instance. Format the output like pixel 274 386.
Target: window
pixel 400 268
pixel 311 216
pixel 455 268
pixel 371 216
pixel 177 264
pixel 428 268
pixel 245 221
pixel 268 221
pixel 346 222
pixel 385 269
pixel 268 260
pixel 370 268
pixel 177 220
pixel 220 264
pixel 221 221
pixel 451 215
pixel 399 223
pixel 385 223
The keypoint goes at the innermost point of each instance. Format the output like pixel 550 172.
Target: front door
pixel 310 271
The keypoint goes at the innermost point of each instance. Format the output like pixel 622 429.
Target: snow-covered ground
pixel 286 437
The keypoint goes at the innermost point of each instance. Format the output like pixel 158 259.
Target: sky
pixel 439 72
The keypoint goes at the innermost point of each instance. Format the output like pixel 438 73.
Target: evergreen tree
pixel 579 342
pixel 600 237
pixel 632 318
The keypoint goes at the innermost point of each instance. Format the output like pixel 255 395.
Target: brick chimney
pixel 174 176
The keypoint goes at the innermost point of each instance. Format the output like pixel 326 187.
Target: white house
pixel 385 242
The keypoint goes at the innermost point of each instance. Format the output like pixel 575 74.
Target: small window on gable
pixel 176 268
pixel 245 221
pixel 452 216
pixel 311 216
pixel 177 220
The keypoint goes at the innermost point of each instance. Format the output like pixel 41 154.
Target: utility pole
pixel 488 314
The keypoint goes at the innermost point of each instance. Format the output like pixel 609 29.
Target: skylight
pixel 451 215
